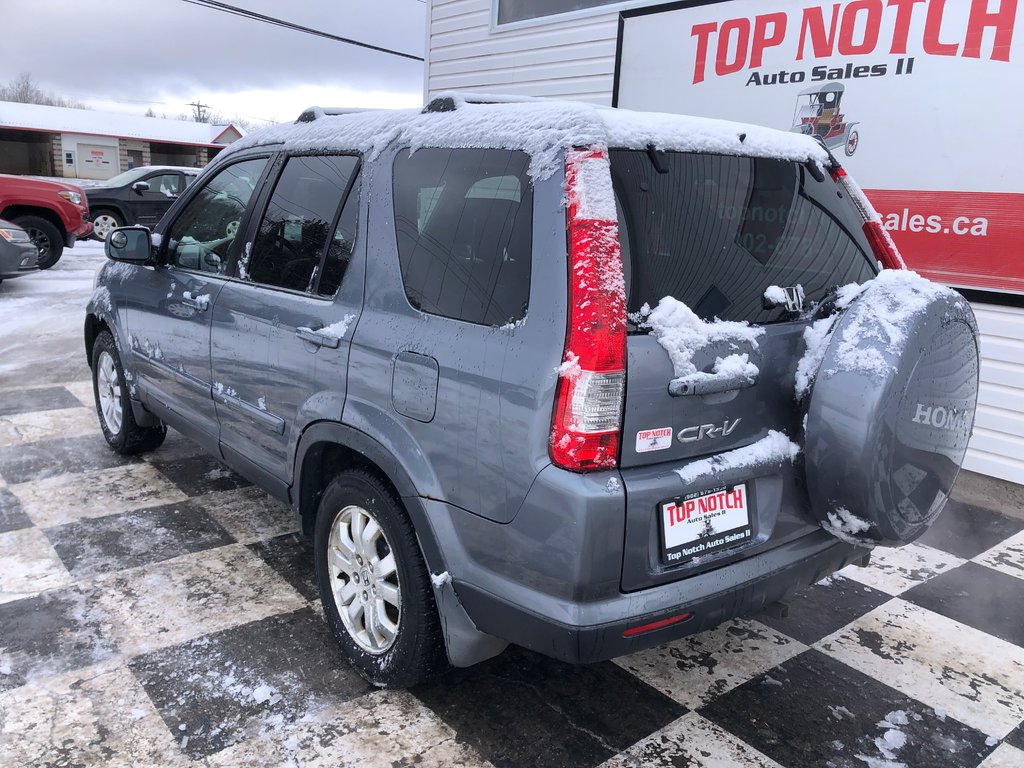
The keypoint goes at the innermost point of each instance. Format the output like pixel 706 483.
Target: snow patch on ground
pixel 682 333
pixel 889 743
pixel 775 448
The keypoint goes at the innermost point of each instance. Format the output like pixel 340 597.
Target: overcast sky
pixel 128 55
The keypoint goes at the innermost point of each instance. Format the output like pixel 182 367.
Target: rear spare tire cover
pixel 891 409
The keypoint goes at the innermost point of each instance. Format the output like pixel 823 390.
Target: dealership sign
pixel 920 99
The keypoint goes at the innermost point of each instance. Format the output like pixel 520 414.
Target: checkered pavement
pixel 161 612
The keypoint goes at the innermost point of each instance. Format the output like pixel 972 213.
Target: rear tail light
pixel 586 425
pixel 881 243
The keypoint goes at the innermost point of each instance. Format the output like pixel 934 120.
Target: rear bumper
pixel 740 589
pixel 551 579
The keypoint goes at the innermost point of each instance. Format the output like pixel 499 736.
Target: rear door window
pixel 715 231
pixel 301 221
pixel 464 223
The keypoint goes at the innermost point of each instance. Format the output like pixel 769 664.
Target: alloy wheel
pixel 102 225
pixel 40 241
pixel 364 580
pixel 108 390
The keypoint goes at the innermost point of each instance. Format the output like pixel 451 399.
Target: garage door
pixel 96 161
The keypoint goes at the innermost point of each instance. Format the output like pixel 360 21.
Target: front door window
pixel 203 234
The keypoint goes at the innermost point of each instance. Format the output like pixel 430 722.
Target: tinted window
pixel 299 222
pixel 715 231
pixel 464 221
pixel 339 249
pixel 202 235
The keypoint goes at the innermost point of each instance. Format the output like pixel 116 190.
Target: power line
pixel 214 5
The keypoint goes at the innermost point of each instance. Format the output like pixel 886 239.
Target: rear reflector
pixel 882 246
pixel 633 631
pixel 586 424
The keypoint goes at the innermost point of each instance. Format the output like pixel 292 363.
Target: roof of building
pixel 35 117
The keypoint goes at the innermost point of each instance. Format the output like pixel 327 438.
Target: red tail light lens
pixel 881 243
pixel 587 420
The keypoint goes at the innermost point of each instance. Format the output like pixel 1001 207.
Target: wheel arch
pixel 113 208
pixel 326 448
pixel 12 212
pixel 94 326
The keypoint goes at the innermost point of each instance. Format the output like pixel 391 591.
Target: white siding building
pixel 569 49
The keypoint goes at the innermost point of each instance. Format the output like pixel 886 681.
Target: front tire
pixel 374 585
pixel 103 222
pixel 113 405
pixel 45 236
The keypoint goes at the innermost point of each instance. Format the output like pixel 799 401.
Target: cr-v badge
pixel 700 431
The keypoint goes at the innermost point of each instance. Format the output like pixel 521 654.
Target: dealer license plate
pixel 704 522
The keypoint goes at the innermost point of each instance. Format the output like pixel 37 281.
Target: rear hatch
pixel 714 233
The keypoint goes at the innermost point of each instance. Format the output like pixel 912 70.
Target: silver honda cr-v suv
pixel 579 379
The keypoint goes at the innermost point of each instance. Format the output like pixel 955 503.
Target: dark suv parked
pixel 578 379
pixel 137 196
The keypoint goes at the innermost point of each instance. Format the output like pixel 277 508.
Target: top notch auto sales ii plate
pixel 705 522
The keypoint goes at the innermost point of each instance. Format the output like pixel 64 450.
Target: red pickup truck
pixel 53 213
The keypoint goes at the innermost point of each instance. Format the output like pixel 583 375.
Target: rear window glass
pixel 464 222
pixel 715 231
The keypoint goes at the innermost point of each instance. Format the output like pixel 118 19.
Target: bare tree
pixel 150 112
pixel 23 89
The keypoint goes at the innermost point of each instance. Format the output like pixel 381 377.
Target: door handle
pixel 320 339
pixel 709 383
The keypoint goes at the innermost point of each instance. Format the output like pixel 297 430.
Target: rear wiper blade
pixel 657 157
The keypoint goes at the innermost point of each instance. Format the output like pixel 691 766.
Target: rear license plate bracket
pixel 704 522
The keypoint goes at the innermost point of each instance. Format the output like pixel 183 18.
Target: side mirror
pixel 132 244
pixel 140 186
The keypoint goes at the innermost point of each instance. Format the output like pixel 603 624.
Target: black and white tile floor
pixel 161 612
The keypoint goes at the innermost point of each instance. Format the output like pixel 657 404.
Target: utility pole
pixel 199 113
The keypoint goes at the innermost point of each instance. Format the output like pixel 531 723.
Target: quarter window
pixel 298 236
pixel 202 235
pixel 464 223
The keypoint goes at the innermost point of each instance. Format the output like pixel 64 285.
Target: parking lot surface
pixel 162 611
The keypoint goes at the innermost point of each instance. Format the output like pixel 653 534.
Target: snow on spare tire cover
pixel 891 409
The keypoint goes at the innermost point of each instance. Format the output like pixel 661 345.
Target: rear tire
pixel 113 405
pixel 47 239
pixel 369 566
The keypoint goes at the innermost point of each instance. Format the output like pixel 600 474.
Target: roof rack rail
pixel 449 102
pixel 312 113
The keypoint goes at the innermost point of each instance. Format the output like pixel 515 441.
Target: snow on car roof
pixel 543 128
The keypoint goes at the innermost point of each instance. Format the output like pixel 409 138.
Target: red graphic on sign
pixel 969 239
